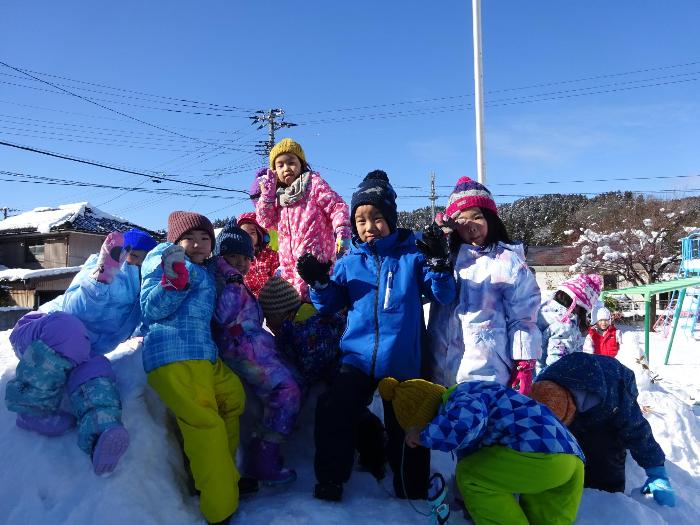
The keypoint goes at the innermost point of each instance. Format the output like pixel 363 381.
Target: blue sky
pixel 371 84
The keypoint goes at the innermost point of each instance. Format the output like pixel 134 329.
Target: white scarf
pixel 295 191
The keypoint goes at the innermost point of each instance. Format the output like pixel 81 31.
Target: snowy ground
pixel 50 481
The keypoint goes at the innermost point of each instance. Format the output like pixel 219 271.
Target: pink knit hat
pixel 583 289
pixel 468 193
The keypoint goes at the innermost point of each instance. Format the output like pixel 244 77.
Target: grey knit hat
pixel 278 297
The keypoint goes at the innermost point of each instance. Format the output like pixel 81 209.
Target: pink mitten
pixel 521 378
pixel 110 259
pixel 175 274
pixel 268 186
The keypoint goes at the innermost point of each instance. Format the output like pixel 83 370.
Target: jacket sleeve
pixel 334 297
pixel 460 423
pixel 588 345
pixel 521 303
pixel 634 429
pixel 156 302
pixel 229 304
pixel 437 286
pixel 543 326
pixel 333 206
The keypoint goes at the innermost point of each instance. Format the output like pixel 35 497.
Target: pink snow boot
pixel 265 463
pixel 52 425
pixel 109 449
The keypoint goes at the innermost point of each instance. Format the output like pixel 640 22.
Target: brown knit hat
pixel 415 402
pixel 287 146
pixel 557 398
pixel 180 222
pixel 278 297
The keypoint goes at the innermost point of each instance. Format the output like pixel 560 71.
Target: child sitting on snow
pixel 61 351
pixel 596 396
pixel 181 360
pixel 506 443
pixel 381 282
pixel 250 352
pixel 603 338
pixel 562 319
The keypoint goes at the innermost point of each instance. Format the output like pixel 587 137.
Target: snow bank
pixel 49 480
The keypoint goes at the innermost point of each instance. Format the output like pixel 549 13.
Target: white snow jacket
pixel 492 322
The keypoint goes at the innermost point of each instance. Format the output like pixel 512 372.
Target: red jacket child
pixel 603 338
pixel 266 260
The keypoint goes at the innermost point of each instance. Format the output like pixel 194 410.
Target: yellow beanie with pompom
pixel 415 402
pixel 287 146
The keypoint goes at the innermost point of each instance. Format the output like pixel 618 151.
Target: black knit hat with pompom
pixel 376 190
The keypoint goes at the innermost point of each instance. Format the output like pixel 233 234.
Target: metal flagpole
pixel 478 92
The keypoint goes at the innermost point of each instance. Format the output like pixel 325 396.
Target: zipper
pixel 387 293
pixel 376 317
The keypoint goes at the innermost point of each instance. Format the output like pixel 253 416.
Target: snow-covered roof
pixel 79 216
pixel 23 274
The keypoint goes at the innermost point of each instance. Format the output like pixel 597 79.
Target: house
pixel 43 249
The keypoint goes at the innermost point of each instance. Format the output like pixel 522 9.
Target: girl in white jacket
pixel 489 333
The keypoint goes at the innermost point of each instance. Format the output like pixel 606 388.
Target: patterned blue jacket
pixel 483 413
pixel 178 323
pixel 614 385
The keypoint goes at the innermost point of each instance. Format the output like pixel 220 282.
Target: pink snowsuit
pixel 311 224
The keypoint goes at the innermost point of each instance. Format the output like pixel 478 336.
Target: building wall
pixel 35 292
pixel 13 251
pixel 549 277
pixel 82 245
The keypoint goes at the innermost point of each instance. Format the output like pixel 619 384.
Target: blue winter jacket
pixel 483 413
pixel 382 283
pixel 610 388
pixel 178 323
pixel 110 312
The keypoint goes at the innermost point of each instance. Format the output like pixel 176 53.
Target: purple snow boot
pixel 109 448
pixel 265 463
pixel 52 425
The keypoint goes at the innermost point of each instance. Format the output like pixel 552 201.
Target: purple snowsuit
pixel 250 351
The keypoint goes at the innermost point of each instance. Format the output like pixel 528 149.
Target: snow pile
pixel 50 480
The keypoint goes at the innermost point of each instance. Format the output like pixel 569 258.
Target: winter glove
pixel 434 246
pixel 657 485
pixel 268 186
pixel 521 378
pixel 313 271
pixel 110 259
pixel 175 274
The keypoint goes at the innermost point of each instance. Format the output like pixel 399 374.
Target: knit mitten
pixel 175 274
pixel 521 378
pixel 110 259
pixel 659 487
pixel 313 271
pixel 268 187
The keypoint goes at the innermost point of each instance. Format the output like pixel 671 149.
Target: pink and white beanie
pixel 584 290
pixel 468 193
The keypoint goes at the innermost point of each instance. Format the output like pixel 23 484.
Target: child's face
pixel 370 223
pixel 603 324
pixel 252 231
pixel 287 168
pixel 239 262
pixel 197 245
pixel 136 257
pixel 471 226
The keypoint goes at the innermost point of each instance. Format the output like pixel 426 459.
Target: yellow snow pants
pixel 550 486
pixel 207 400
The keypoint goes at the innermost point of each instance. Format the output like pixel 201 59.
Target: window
pixel 34 251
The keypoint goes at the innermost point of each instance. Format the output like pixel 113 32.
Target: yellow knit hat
pixel 287 146
pixel 416 401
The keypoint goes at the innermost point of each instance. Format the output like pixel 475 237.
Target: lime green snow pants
pixel 549 485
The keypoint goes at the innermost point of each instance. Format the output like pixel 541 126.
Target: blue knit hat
pixel 233 240
pixel 375 190
pixel 139 240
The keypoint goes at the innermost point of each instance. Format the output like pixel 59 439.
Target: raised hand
pixel 435 248
pixel 313 271
pixel 175 274
pixel 111 257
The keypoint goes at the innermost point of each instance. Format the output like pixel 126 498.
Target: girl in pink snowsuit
pixel 307 214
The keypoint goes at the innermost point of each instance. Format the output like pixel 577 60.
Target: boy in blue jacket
pixel 507 444
pixel 181 361
pixel 61 351
pixel 381 282
pixel 596 396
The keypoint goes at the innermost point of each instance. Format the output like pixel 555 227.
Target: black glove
pixel 435 248
pixel 313 271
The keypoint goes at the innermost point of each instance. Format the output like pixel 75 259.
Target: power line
pixel 123 170
pixel 584 181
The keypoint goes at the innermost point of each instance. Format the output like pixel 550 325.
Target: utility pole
pixel 478 92
pixel 269 118
pixel 433 196
pixel 6 211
